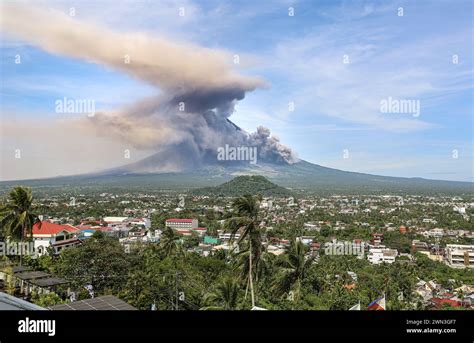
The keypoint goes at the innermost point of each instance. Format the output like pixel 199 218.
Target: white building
pixel 226 236
pixel 307 240
pixel 179 224
pixel 311 227
pixel 141 222
pixel 435 233
pixel 460 256
pixel 48 234
pixel 382 255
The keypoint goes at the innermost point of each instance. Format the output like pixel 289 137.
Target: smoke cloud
pixel 197 89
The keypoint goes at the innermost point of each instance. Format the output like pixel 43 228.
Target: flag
pixel 356 307
pixel 377 305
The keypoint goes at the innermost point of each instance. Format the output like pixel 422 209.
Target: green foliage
pixel 101 263
pixel 16 216
pixel 245 184
pixel 47 299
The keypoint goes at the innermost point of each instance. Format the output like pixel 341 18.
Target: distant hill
pixel 300 176
pixel 245 184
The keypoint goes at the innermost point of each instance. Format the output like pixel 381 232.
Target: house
pixel 440 303
pixel 115 221
pixel 201 231
pixel 48 234
pixel 377 239
pixel 434 233
pixel 306 240
pixel 417 245
pixel 384 255
pixel 311 227
pixel 145 222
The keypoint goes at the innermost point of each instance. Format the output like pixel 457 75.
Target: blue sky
pixel 337 105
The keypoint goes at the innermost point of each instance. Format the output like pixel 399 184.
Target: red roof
pixel 178 220
pixel 48 228
pixel 440 302
pixel 201 229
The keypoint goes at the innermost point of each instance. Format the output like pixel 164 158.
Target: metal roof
pixel 11 303
pixel 31 275
pixel 19 269
pixel 104 303
pixel 49 282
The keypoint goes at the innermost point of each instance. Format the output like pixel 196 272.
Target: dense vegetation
pixel 245 184
pixel 172 274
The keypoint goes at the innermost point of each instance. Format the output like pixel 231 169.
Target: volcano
pixel 184 166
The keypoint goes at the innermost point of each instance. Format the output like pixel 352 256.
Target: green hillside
pixel 245 184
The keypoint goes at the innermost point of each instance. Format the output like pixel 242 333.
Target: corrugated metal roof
pixel 104 303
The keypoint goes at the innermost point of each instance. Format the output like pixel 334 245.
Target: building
pixel 459 256
pixel 11 303
pixel 434 233
pixel 180 224
pixel 48 234
pixel 103 303
pixel 312 227
pixel 377 239
pixel 226 236
pixel 382 255
pixel 417 245
pixel 145 222
pixel 306 240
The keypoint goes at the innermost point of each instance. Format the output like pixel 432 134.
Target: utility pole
pixel 176 290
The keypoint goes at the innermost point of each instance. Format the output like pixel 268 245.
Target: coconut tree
pixel 170 242
pixel 246 222
pixel 17 217
pixel 292 268
pixel 225 295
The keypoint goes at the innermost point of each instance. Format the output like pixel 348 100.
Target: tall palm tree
pixel 293 265
pixel 16 216
pixel 225 295
pixel 246 221
pixel 170 242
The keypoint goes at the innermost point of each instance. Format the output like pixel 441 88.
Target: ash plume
pixel 197 88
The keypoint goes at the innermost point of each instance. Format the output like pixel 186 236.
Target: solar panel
pixel 104 303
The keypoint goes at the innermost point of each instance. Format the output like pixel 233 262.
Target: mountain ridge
pixel 300 175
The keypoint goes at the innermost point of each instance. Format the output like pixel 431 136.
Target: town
pixel 178 250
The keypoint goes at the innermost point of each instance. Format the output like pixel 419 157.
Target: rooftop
pixel 105 303
pixel 11 303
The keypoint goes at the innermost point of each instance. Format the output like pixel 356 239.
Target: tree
pixel 17 217
pixel 293 266
pixel 225 296
pixel 98 235
pixel 246 221
pixel 100 263
pixel 170 242
pixel 46 300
